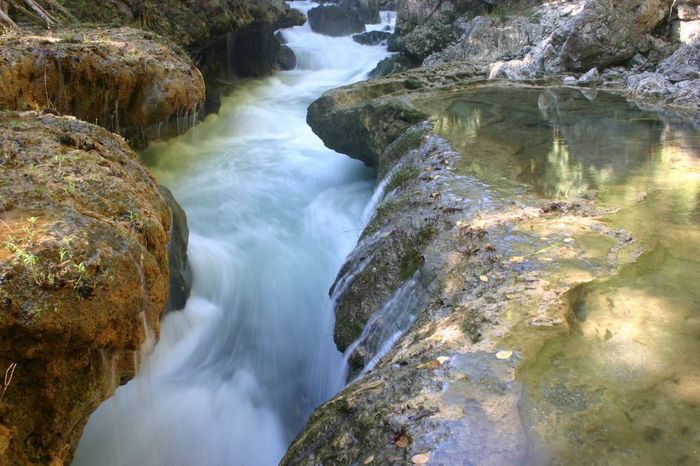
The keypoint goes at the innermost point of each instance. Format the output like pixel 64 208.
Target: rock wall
pixel 83 277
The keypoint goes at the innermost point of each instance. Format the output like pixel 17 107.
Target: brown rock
pixel 83 277
pixel 123 79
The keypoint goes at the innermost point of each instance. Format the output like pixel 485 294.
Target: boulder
pixel 372 37
pixel 394 64
pixel 608 32
pixel 423 40
pixel 684 64
pixel 332 20
pixel 286 58
pixel 83 278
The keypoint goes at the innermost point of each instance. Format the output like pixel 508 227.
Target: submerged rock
pixel 83 277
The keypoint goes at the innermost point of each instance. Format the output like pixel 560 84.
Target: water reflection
pixel 622 386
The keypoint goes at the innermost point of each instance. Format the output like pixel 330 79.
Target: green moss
pixel 411 261
pixel 386 210
pixel 426 233
pixel 401 176
pixel 471 327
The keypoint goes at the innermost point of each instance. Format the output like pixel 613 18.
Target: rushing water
pixel 272 213
pixel 622 386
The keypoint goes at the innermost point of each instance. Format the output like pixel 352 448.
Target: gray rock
pixel 180 273
pixel 648 85
pixel 590 78
pixel 371 37
pixel 332 20
pixel 423 40
pixel 394 64
pixel 607 32
pixel 684 64
pixel 286 58
pixel 569 81
pixel 485 40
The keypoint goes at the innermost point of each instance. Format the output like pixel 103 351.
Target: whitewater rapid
pixel 272 214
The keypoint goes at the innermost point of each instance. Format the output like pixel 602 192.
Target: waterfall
pixel 272 215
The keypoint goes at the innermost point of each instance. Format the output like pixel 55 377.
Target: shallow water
pixel 272 214
pixel 622 385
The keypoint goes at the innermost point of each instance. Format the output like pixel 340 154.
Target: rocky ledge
pixel 459 277
pixel 428 303
pixel 125 80
pixel 83 275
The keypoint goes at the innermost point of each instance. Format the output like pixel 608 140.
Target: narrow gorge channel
pixel 272 214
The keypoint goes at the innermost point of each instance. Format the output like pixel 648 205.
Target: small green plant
pixel 10 244
pixel 81 270
pixel 58 158
pixel 62 254
pixel 132 215
pixel 70 186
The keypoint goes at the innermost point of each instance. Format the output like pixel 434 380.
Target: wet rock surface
pixel 475 263
pixel 83 277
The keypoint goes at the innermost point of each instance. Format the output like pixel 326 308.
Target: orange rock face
pixel 122 79
pixel 83 278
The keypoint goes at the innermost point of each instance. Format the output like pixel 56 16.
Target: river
pixel 272 214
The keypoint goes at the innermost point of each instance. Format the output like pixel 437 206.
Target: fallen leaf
pixel 516 259
pixel 504 354
pixel 442 359
pixel 568 240
pixel 369 460
pixel 546 259
pixel 484 278
pixel 431 364
pixel 420 458
pixel 511 296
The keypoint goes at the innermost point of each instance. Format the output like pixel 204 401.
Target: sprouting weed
pixel 10 244
pixel 81 269
pixel 62 253
pixel 70 186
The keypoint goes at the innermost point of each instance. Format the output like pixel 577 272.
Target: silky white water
pixel 272 214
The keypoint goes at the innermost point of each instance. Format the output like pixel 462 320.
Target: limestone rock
pixel 83 277
pixel 485 40
pixel 590 78
pixel 684 64
pixel 608 32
